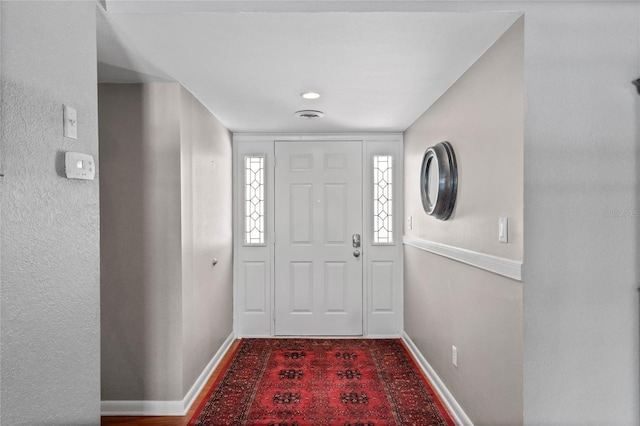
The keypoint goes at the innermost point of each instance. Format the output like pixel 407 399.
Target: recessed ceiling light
pixel 309 114
pixel 310 95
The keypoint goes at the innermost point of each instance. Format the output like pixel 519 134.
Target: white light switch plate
pixel 503 230
pixel 70 117
pixel 454 356
pixel 79 166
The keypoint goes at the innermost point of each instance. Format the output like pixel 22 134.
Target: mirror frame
pixel 442 156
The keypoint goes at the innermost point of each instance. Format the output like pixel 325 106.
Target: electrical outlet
pixel 410 223
pixel 454 356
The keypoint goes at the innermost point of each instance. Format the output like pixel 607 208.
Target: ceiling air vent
pixel 309 114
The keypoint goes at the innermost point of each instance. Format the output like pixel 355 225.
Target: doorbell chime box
pixel 79 166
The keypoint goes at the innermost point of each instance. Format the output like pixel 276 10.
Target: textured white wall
pixel 581 317
pixel 1 192
pixel 50 231
pixel 206 234
pixel 449 303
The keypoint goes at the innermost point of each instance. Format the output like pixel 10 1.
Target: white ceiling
pixel 376 71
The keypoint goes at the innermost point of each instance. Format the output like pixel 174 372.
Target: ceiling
pixel 375 71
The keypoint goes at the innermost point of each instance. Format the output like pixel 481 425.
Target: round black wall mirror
pixel 439 180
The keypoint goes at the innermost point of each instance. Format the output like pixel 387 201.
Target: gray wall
pixel 141 267
pixel 482 116
pixel 1 192
pixel 206 234
pixel 165 214
pixel 50 232
pixel 581 319
pixel 449 303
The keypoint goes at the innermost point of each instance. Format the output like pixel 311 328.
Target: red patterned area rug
pixel 322 382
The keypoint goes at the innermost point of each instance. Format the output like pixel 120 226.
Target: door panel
pixel 335 224
pixel 382 286
pixel 302 290
pixel 335 284
pixel 254 281
pixel 318 203
pixel 301 217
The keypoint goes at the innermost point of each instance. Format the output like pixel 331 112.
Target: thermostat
pixel 79 166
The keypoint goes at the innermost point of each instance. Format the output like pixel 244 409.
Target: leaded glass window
pixel 383 199
pixel 254 200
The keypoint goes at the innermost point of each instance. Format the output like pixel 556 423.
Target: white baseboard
pixel 383 336
pixel 368 336
pixel 456 411
pixel 141 408
pixel 195 390
pixel 168 408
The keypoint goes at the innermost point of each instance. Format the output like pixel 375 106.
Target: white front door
pixel 318 209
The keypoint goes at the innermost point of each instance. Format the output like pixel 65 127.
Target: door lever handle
pixel 356 240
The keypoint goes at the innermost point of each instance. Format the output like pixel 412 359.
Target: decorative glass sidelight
pixel 254 232
pixel 383 199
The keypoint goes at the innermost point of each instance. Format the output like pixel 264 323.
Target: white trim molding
pixel 498 265
pixel 168 408
pixel 141 408
pixel 454 408
pixel 254 271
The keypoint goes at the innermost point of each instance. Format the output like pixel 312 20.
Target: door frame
pixel 254 267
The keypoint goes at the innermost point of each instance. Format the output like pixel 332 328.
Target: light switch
pixel 70 120
pixel 503 230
